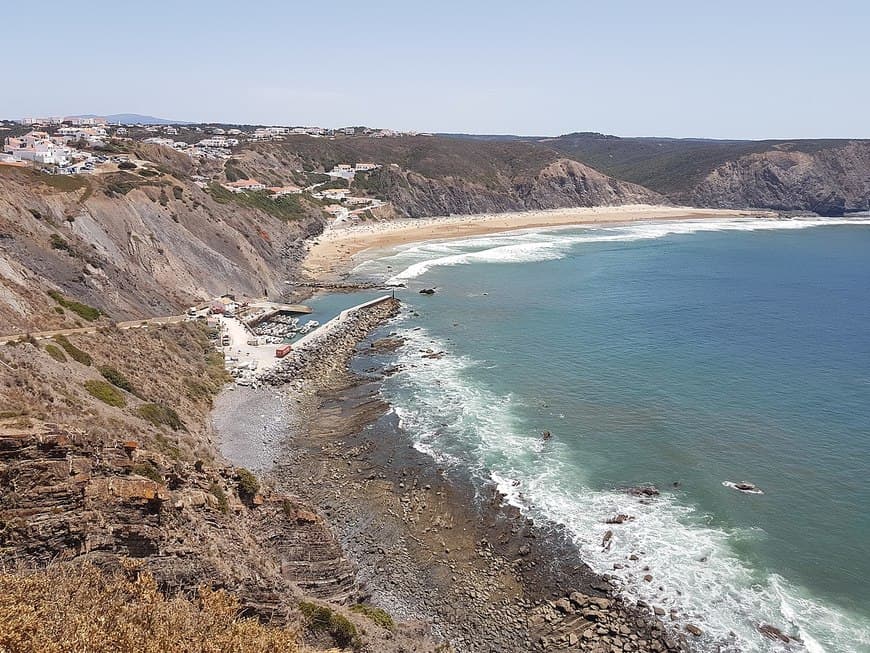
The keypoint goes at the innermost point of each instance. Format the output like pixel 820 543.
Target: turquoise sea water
pixel 687 354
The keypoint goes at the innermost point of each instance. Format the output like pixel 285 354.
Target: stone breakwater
pixel 328 352
pixel 426 547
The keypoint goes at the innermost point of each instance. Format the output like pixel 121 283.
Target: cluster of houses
pixel 211 147
pixel 344 204
pixel 44 149
pixel 252 185
pixel 348 171
pixel 75 121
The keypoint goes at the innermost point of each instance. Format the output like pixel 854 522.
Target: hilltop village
pixel 94 146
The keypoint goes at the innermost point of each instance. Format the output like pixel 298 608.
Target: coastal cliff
pixel 109 463
pixel 825 176
pixel 134 246
pixel 430 176
pixel 831 181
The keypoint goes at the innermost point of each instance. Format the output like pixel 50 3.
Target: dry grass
pixel 63 609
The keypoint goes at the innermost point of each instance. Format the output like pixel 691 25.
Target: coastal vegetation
pixel 380 616
pixel 248 483
pixel 74 352
pixel 117 379
pixel 66 608
pixel 286 208
pixel 56 353
pixel 147 470
pixel 84 311
pixel 321 619
pixel 218 492
pixel 160 415
pixel 105 392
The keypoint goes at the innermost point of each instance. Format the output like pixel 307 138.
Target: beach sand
pixel 331 254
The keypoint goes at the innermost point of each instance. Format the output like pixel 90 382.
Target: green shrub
pixel 55 353
pixel 127 165
pixel 117 379
pixel 82 310
pixel 220 495
pixel 148 471
pixel 164 446
pixel 380 616
pixel 105 393
pixel 321 619
pixel 74 352
pixel 286 207
pixel 58 242
pixel 161 415
pixel 248 483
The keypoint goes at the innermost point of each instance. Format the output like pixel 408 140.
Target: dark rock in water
pixel 692 628
pixel 427 291
pixel 434 355
pixel 774 633
pixel 605 542
pixel 619 519
pixel 546 435
pixel 743 486
pixel 644 491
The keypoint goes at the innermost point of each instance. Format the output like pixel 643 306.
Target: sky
pixel 736 69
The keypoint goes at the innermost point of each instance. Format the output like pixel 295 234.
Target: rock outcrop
pixel 830 181
pixel 562 183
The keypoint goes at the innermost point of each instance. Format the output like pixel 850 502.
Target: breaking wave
pixel 696 575
pixel 555 243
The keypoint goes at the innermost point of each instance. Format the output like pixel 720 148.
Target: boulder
pixel 644 491
pixel 774 633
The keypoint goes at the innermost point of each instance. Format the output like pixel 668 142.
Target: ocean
pixel 684 355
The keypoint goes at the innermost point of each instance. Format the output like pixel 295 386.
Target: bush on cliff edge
pixel 65 608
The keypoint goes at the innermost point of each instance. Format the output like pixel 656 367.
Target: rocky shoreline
pixel 426 547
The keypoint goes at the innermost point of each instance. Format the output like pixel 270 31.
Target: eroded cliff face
pixel 423 177
pixel 83 480
pixel 830 181
pixel 134 246
pixel 563 183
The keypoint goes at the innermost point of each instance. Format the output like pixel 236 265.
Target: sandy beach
pixel 332 253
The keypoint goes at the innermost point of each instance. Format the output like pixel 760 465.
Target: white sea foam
pixel 530 246
pixel 694 568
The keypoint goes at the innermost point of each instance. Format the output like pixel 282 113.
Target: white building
pixel 280 191
pixel 243 185
pixel 92 135
pixel 157 140
pixel 39 148
pixel 219 141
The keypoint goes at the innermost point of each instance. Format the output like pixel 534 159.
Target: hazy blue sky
pixel 667 67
